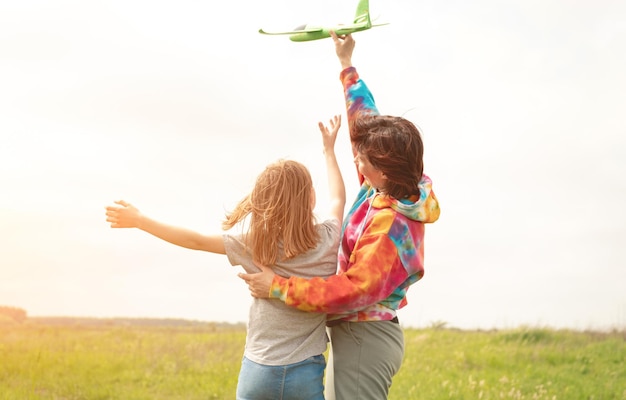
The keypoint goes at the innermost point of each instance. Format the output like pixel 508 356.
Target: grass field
pixel 71 361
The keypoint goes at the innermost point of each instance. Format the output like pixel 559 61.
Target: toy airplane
pixel 305 33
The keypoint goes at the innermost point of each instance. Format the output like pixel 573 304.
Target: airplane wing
pixel 306 30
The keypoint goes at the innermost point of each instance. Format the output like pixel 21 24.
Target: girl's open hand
pixel 329 136
pixel 125 216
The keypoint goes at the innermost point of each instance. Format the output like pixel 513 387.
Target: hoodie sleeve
pixel 376 275
pixel 359 100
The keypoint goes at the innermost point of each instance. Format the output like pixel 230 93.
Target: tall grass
pixel 39 361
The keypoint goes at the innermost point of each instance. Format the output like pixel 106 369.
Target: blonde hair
pixel 281 213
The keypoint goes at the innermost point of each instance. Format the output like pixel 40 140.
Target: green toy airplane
pixel 305 33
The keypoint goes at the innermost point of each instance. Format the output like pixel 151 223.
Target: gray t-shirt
pixel 278 334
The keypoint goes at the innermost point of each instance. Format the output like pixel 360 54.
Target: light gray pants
pixel 363 359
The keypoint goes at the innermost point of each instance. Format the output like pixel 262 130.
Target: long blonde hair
pixel 281 213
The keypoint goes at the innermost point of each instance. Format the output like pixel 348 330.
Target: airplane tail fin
pixel 362 14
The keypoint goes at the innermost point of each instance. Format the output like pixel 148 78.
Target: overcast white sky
pixel 177 106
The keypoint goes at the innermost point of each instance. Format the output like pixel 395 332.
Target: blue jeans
pixel 300 381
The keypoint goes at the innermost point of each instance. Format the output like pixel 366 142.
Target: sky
pixel 176 107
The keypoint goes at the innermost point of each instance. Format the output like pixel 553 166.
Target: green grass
pixel 56 362
pixel 71 362
pixel 516 364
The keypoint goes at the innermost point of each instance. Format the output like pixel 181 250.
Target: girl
pixel 283 355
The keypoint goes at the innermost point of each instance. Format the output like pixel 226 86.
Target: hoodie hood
pixel 424 208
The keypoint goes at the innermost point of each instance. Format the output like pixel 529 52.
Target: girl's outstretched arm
pixel 336 185
pixel 125 215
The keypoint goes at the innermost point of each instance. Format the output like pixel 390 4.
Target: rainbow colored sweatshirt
pixel 382 245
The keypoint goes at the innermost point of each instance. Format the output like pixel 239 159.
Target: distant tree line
pixel 13 313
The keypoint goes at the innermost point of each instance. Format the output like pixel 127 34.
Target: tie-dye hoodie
pixel 382 244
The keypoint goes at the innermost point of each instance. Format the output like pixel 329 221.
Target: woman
pixel 381 251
